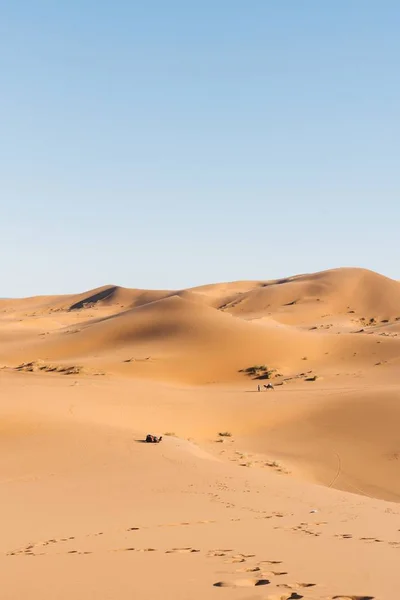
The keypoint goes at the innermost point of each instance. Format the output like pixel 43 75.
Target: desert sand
pixel 280 494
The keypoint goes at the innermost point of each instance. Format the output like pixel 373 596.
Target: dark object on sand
pixel 153 439
pixel 269 386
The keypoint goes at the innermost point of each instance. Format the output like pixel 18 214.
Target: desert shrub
pixel 259 371
pixel 254 369
pixel 265 375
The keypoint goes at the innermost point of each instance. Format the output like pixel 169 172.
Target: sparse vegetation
pixel 225 434
pixel 169 433
pixel 259 371
pixel 273 464
pixel 254 369
pixel 266 375
pixel 38 365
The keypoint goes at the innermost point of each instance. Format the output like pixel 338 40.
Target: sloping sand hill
pixel 251 495
pixel 189 340
pixel 185 341
pixel 338 292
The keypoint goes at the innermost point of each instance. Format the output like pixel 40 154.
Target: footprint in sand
pixel 218 552
pixel 181 550
pixel 302 529
pixel 206 522
pixel 292 596
pixel 294 586
pixel 352 598
pixel 236 560
pixel 135 550
pixel 239 558
pixel 242 583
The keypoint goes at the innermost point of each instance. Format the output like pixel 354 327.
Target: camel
pixel 153 439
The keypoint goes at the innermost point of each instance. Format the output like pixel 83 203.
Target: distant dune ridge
pixel 212 332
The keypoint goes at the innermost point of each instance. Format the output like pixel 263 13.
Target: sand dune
pixel 108 295
pixel 336 291
pixel 185 340
pixel 348 440
pixel 85 376
pixel 342 290
pixel 190 341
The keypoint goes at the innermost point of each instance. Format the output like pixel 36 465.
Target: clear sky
pixel 163 144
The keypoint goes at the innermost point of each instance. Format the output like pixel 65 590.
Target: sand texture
pixel 279 494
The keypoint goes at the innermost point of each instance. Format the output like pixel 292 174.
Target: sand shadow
pixel 93 299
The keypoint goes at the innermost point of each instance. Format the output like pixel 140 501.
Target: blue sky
pixel 166 144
